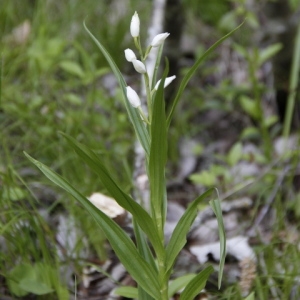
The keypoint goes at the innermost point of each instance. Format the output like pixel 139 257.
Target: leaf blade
pixel 196 284
pixel 178 238
pixel 179 283
pixel 123 246
pixel 139 126
pixel 193 69
pixel 158 156
pixel 141 216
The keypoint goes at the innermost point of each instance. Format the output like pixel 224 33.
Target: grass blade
pixel 178 238
pixel 193 69
pixel 123 246
pixel 138 124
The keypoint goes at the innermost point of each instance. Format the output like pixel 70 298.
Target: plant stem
pixel 163 278
pixel 148 95
pixel 257 97
pixel 293 86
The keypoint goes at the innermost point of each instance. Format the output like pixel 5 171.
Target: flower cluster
pixel 139 65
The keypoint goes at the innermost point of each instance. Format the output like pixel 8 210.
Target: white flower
pixel 133 97
pixel 139 66
pixel 129 54
pixel 168 80
pixel 159 39
pixel 135 25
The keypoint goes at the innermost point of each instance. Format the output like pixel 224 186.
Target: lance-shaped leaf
pixel 193 69
pixel 178 238
pixel 145 252
pixel 196 285
pixel 138 124
pixel 140 215
pixel 144 274
pixel 158 155
pixel 179 283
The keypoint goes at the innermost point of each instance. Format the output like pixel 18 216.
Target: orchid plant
pixel 150 260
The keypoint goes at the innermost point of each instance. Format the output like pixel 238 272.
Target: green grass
pixel 52 83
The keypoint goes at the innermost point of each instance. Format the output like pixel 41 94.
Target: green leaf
pixel 18 273
pixel 35 286
pixel 140 270
pixel 205 177
pixel 13 193
pixel 145 252
pixel 142 244
pixel 158 156
pixel 215 204
pixel 270 121
pixel 178 238
pixel 268 52
pixel 193 69
pixel 72 68
pixel 127 292
pixel 196 285
pixel 250 297
pixel 249 106
pixel 250 132
pixel 235 153
pixel 157 64
pixel 138 124
pixel 141 216
pixel 179 283
pixel 27 278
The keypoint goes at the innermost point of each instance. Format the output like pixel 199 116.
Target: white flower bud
pixel 139 66
pixel 133 97
pixel 159 39
pixel 168 80
pixel 135 25
pixel 129 54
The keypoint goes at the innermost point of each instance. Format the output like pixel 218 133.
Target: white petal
pixel 139 66
pixel 135 25
pixel 159 39
pixel 133 97
pixel 168 80
pixel 129 54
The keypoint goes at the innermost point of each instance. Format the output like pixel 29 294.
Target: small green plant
pixel 150 261
pixel 253 105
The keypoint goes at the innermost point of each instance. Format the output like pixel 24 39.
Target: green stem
pixel 293 86
pixel 257 97
pixel 145 119
pixel 148 95
pixel 164 280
